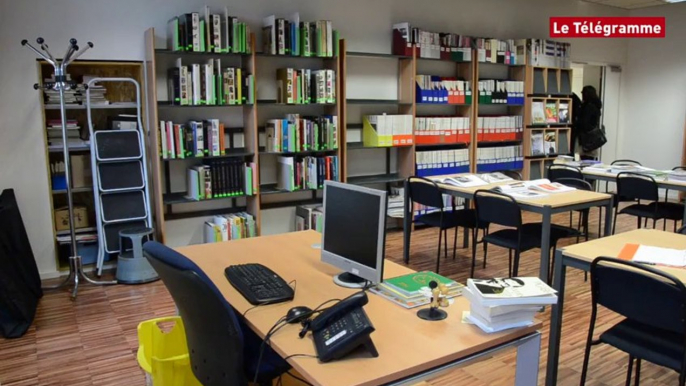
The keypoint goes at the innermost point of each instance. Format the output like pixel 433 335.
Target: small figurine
pixel 439 298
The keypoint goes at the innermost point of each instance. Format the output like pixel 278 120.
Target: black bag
pixel 593 139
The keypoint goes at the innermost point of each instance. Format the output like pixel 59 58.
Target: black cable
pixel 298 378
pixel 295 284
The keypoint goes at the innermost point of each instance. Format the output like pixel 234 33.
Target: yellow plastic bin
pixel 164 354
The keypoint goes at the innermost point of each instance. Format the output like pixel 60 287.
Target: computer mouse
pixel 298 314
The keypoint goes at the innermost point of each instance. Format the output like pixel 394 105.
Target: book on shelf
pixel 431 45
pixel 209 84
pixel 219 178
pixel 493 91
pixel 442 90
pixel 233 226
pixel 499 158
pixel 548 53
pixel 538 113
pixel 412 290
pixel 442 162
pixel 304 173
pixel 208 138
pixel 499 128
pixel 305 86
pixel 510 51
pixel 295 134
pixel 537 144
pixel 442 130
pixel 205 31
pixel 563 113
pixel 387 130
pixel 396 202
pixel 293 37
pixel 463 181
pixel 551 112
pixel 309 217
pixel 550 143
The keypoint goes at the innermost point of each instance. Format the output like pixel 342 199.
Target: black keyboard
pixel 258 284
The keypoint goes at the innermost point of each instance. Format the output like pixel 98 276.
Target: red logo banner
pixel 607 27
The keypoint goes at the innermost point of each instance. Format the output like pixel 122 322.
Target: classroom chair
pixel 223 350
pixel 654 306
pixel 637 187
pixel 515 175
pixel 426 192
pixel 495 208
pixel 674 206
pixel 555 172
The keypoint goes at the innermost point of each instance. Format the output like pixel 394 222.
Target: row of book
pixel 548 53
pixel 445 90
pixel 221 178
pixel 387 130
pixel 411 290
pixel 549 112
pixel 305 173
pixel 509 92
pixel 309 217
pixel 497 124
pixel 509 51
pixel 543 143
pixel 435 130
pixel 295 134
pixel 502 303
pixel 499 135
pixel 195 139
pixel 233 226
pixel 209 84
pixel 489 159
pixel 305 86
pixel 299 38
pixel 441 162
pixel 205 31
pixel 431 45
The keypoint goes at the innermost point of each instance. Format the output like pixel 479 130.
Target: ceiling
pixel 629 4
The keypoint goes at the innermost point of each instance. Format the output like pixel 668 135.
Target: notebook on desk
pixel 646 254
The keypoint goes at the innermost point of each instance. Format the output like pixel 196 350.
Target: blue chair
pixel 223 350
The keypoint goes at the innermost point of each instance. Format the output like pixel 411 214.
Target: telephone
pixel 342 328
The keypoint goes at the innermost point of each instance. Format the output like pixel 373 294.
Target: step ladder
pixel 120 178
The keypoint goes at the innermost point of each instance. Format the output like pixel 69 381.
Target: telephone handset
pixel 342 328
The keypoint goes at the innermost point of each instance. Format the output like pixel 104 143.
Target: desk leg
pixel 467 234
pixel 528 354
pixel 556 321
pixel 545 244
pixel 407 223
pixel 608 218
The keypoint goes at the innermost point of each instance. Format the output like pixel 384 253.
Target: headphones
pixel 305 327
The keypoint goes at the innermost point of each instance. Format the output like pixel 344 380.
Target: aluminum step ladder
pixel 120 177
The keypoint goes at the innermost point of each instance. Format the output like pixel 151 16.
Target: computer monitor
pixel 354 232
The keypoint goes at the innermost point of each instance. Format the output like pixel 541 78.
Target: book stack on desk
pixel 501 304
pixel 412 290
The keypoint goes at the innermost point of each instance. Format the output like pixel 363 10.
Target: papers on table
pixel 463 181
pixel 654 255
pixel 532 189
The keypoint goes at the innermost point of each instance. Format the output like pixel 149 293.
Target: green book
pixel 411 283
pixel 202 35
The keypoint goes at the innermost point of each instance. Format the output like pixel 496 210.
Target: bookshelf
pixel 550 87
pixel 122 101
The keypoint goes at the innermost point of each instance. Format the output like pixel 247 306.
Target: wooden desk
pixel 545 206
pixel 662 182
pixel 410 349
pixel 580 256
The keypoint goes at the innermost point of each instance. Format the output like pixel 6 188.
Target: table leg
pixel 465 241
pixel 545 244
pixel 528 354
pixel 407 223
pixel 556 321
pixel 608 218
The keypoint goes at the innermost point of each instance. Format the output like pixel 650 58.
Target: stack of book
pixel 677 175
pixel 299 38
pixel 97 92
pixel 296 134
pixel 207 32
pixel 412 290
pixel 500 304
pixel 220 178
pixel 71 96
pixel 305 86
pixel 309 217
pixel 230 227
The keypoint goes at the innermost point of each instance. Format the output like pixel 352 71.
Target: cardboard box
pixel 62 218
pixel 81 172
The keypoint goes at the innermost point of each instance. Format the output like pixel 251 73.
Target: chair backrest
pixel 497 208
pixel 625 162
pixel 555 172
pixel 515 175
pixel 213 333
pixel 575 183
pixel 637 186
pixel 640 293
pixel 426 192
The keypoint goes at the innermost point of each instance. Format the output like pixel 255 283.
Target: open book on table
pixel 463 181
pixel 532 189
pixel 494 177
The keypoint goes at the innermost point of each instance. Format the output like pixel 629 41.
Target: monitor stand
pixel 348 280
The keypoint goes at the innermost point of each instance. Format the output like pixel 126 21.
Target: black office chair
pixel 426 192
pixel 555 172
pixel 654 305
pixel 675 207
pixel 223 350
pixel 501 209
pixel 637 187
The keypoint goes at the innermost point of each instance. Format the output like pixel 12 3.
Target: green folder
pixel 411 283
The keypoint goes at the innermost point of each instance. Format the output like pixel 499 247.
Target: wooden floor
pixel 92 341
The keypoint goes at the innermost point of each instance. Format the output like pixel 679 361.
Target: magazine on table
pixel 511 291
pixel 495 177
pixel 533 189
pixel 463 181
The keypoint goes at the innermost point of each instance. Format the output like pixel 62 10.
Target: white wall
pixel 654 93
pixel 116 28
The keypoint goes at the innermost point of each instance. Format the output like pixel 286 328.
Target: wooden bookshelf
pixel 122 101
